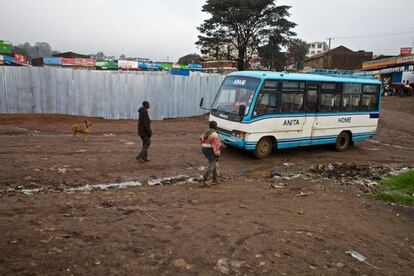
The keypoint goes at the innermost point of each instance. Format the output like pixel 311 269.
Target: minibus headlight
pixel 238 134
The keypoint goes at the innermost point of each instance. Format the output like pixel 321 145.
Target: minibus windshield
pixel 235 91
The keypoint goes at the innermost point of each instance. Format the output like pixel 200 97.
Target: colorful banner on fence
pixel 405 51
pixel 107 64
pixel 128 65
pixel 79 62
pixel 20 58
pixel 5 47
pixel 195 67
pixel 51 61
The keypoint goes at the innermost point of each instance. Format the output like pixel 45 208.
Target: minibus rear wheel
pixel 342 142
pixel 263 148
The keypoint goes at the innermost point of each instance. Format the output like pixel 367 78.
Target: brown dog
pixel 82 128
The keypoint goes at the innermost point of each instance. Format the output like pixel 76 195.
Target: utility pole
pixel 412 46
pixel 329 42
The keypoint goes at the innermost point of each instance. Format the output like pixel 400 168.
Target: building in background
pixel 222 58
pixel 139 59
pixel 392 70
pixel 67 59
pixel 219 66
pixel 317 48
pixel 338 58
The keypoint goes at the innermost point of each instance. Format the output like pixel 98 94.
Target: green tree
pixel 39 49
pixel 298 50
pixel 243 24
pixel 98 56
pixel 43 49
pixel 21 51
pixel 271 55
pixel 190 58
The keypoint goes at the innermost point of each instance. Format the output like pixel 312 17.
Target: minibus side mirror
pixel 242 110
pixel 201 102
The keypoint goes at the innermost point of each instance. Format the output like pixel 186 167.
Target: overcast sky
pixel 161 29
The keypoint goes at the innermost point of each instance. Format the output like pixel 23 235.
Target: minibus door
pixel 311 108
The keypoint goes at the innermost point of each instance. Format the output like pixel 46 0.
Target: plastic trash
pixel 275 174
pixel 360 257
pixel 356 255
pixel 115 186
pixel 25 192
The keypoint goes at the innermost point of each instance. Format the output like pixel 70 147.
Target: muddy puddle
pixel 173 180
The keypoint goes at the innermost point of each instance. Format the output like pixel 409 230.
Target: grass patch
pixel 398 189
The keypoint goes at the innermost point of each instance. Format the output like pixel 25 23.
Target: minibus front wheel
pixel 263 148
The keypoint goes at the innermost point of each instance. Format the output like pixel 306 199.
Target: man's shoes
pixel 141 159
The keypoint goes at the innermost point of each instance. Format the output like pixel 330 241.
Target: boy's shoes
pixel 205 184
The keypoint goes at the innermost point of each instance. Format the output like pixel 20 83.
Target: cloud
pixel 158 29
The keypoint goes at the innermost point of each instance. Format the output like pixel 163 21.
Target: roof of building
pixel 303 77
pixel 71 55
pixel 329 51
pixel 317 42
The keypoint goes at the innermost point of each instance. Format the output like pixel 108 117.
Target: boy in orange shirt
pixel 210 146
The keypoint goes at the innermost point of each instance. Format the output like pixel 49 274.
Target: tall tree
pixel 298 50
pixel 43 49
pixel 244 25
pixel 21 51
pixel 271 55
pixel 98 56
pixel 190 58
pixel 39 49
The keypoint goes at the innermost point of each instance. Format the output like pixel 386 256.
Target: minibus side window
pixel 312 97
pixel 351 97
pixel 369 101
pixel 330 100
pixel 268 99
pixel 292 99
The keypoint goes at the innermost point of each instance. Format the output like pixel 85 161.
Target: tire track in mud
pixel 390 145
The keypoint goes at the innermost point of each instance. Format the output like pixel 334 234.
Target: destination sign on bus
pixel 239 82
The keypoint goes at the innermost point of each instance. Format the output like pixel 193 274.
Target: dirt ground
pixel 249 224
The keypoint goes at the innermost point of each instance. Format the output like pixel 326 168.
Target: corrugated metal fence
pixel 107 94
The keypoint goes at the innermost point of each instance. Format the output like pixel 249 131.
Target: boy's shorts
pixel 208 153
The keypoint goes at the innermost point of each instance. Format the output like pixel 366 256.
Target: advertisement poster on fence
pixel 20 58
pixel 128 65
pixel 405 51
pixel 68 61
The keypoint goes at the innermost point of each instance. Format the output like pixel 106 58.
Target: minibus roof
pixel 303 77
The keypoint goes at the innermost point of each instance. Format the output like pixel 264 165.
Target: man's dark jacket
pixel 144 123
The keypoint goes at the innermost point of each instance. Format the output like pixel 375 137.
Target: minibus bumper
pixel 232 141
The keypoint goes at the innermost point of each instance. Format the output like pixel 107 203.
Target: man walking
pixel 210 146
pixel 144 131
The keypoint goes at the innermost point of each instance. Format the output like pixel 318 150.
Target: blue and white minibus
pixel 260 111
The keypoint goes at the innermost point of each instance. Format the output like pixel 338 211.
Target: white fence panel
pixel 107 94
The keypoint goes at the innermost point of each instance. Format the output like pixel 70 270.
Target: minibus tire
pixel 342 142
pixel 263 148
